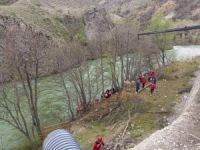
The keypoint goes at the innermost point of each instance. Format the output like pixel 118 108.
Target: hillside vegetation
pixel 50 14
pixel 58 56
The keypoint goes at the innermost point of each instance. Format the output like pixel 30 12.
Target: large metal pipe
pixel 186 28
pixel 60 139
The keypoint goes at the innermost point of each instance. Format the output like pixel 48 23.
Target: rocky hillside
pixel 50 15
pixel 97 21
pixel 186 9
pixel 21 35
pixel 7 2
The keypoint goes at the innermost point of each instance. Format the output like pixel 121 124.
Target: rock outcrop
pixel 97 21
pixel 187 9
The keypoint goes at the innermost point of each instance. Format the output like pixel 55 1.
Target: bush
pixel 163 75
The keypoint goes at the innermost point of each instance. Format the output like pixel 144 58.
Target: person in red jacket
pixel 143 81
pixel 149 76
pixel 152 87
pixel 153 74
pixel 99 144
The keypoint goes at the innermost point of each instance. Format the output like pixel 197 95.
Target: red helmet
pixel 100 138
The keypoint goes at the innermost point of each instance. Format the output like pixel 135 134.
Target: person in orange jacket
pixel 152 87
pixel 99 144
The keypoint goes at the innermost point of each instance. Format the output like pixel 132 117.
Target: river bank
pixel 52 107
pixel 147 114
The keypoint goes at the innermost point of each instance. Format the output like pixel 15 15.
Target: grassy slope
pixel 49 16
pixel 166 94
pixel 144 109
pixel 52 22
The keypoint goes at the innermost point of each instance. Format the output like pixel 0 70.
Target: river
pixel 52 101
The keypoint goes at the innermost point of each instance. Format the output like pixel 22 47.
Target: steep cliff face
pixel 97 21
pixel 187 9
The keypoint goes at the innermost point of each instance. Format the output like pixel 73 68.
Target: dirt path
pixel 184 132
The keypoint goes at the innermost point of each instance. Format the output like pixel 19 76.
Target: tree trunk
pixel 102 72
pixel 97 84
pixel 36 96
pixel 89 83
pixel 122 71
pixel 157 60
pixel 82 89
pixel 67 95
pixel 163 57
pixel 20 112
pixel 127 58
pixel 132 68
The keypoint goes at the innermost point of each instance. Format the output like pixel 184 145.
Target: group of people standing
pixel 141 79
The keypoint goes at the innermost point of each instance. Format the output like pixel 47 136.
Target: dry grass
pixel 167 7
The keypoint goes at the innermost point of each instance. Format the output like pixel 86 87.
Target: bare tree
pixel 99 46
pixel 165 41
pixel 113 53
pixel 11 109
pixel 24 56
pixel 122 47
pixel 77 54
pixel 61 61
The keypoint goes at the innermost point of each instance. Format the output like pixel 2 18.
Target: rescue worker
pixel 143 81
pixel 154 80
pixel 149 76
pixel 152 88
pixel 99 144
pixel 153 74
pixel 137 85
pixel 140 76
pixel 106 95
